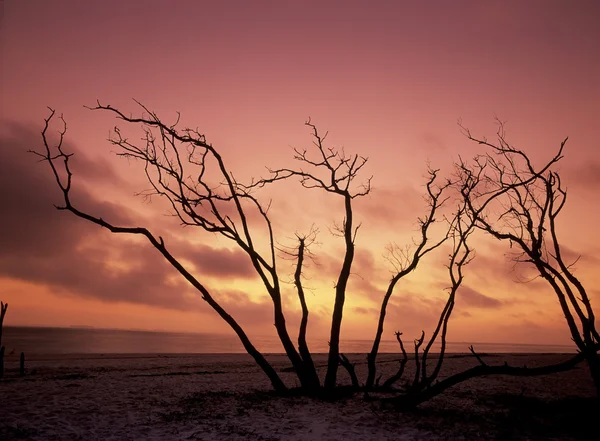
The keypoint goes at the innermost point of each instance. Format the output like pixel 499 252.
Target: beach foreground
pixel 226 397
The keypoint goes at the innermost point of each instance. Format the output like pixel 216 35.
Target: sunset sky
pixel 387 79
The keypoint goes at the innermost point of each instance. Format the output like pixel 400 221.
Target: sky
pixel 386 79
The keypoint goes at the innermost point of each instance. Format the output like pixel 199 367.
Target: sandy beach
pixel 226 397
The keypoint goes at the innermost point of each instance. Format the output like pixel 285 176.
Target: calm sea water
pixel 32 340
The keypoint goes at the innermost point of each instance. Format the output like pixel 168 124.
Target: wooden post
pixel 22 364
pixel 3 308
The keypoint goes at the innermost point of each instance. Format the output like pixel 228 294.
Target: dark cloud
pixel 29 221
pixel 432 141
pixel 586 175
pixel 413 312
pixel 473 298
pixel 242 308
pixel 43 245
pixel 213 262
pixel 497 267
pixel 366 275
pixel 366 311
pixel 391 209
pixel 570 256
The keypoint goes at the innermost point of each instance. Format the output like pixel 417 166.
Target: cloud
pixel 497 268
pixel 365 311
pixel 366 277
pixel 29 222
pixel 432 141
pixel 475 299
pixel 413 312
pixel 223 262
pixel 586 175
pixel 54 248
pixel 242 308
pixel 570 256
pixel 391 208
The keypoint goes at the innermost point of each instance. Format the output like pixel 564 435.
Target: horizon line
pixel 159 331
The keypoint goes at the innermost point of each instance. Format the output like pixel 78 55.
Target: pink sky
pixel 388 81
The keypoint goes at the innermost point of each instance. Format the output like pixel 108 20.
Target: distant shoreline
pixel 227 335
pixel 89 340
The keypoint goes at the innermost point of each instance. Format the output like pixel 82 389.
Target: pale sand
pixel 226 397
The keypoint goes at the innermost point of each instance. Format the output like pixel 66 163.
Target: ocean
pixel 37 340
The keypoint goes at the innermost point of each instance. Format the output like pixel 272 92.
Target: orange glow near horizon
pixel 388 81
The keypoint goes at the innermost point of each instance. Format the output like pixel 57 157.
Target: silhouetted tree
pixel 178 163
pixel 404 263
pixel 425 383
pixel 425 386
pixel 165 153
pixel 300 254
pixel 513 200
pixel 334 172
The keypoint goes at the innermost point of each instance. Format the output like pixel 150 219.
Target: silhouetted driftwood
pixel 351 370
pixel 398 375
pixel 414 398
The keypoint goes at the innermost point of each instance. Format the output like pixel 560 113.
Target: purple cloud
pixel 43 245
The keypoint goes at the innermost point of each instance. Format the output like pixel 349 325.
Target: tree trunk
pixel 372 356
pixel 593 360
pixel 340 296
pixel 351 370
pixel 252 351
pixel 302 344
pixel 308 382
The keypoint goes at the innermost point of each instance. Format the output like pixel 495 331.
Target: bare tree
pixel 177 164
pixel 404 263
pixel 168 154
pixel 424 385
pixel 334 172
pixel 514 201
pixel 459 232
pixel 165 153
pixel 300 254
